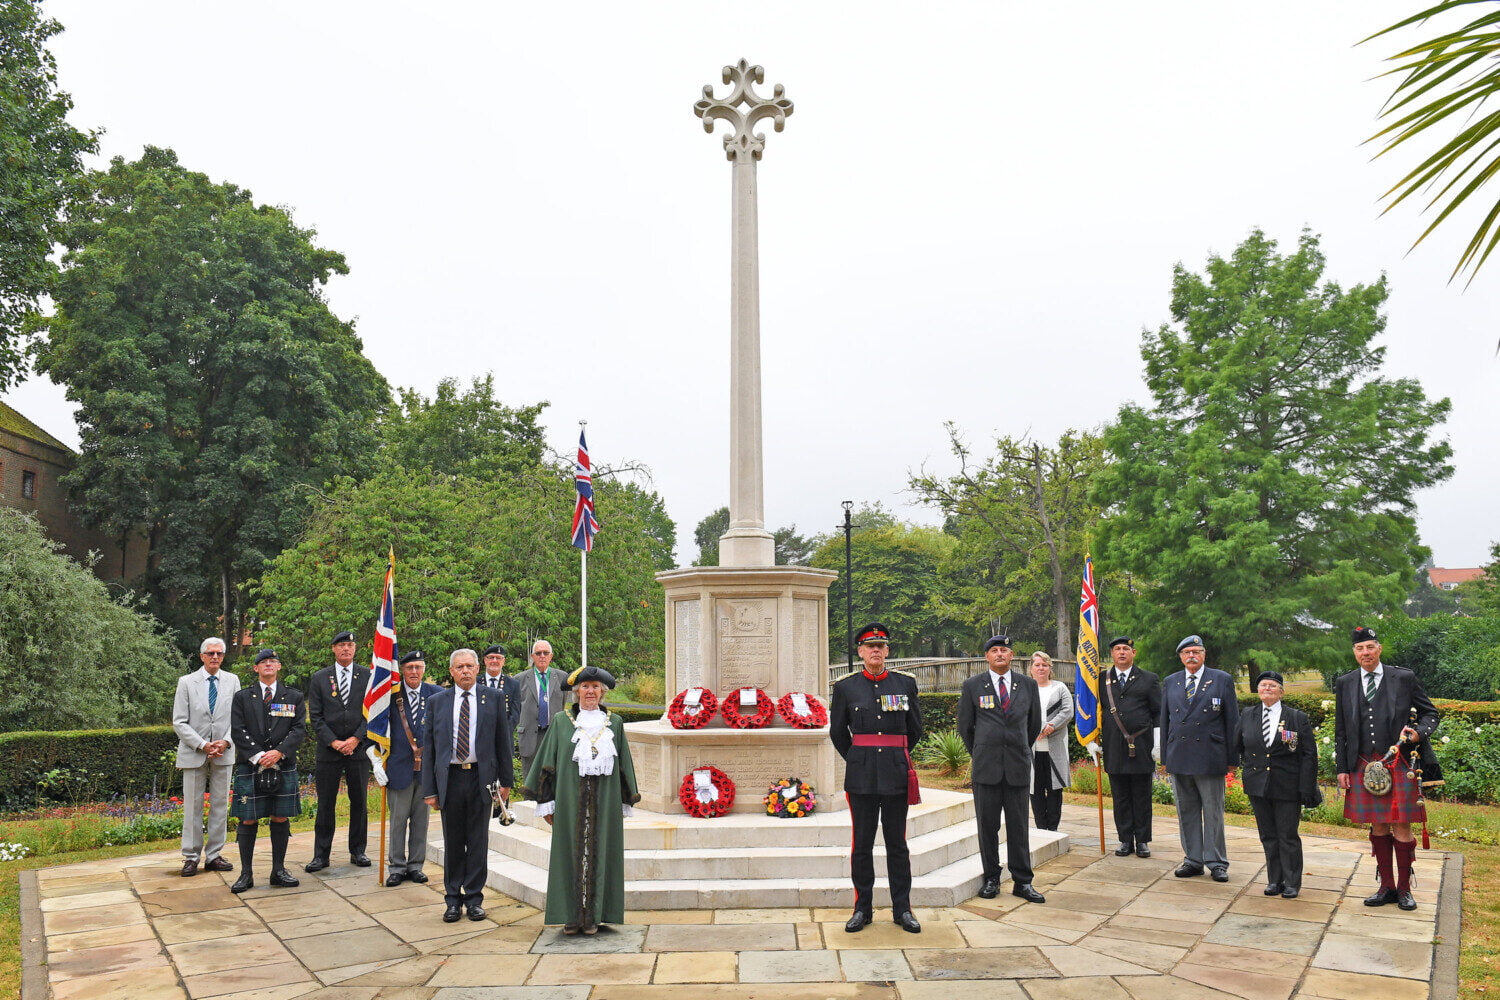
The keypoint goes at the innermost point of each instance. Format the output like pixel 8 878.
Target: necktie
pixel 213 693
pixel 1370 686
pixel 1192 686
pixel 461 744
pixel 267 694
pixel 1004 695
pixel 343 686
pixel 1265 727
pixel 541 702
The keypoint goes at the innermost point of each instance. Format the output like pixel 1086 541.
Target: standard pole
pixel 584 661
pixel 1099 786
pixel 381 871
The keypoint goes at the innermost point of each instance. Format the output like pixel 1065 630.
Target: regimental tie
pixel 541 701
pixel 1370 685
pixel 343 685
pixel 1004 695
pixel 1192 686
pixel 213 693
pixel 1265 727
pixel 267 691
pixel 461 744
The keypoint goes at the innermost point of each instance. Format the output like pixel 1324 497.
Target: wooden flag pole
pixel 381 869
pixel 1099 786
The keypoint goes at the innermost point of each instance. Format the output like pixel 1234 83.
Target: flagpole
pixel 583 607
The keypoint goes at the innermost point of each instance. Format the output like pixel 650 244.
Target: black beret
pixel 582 674
pixel 1364 634
pixel 493 649
pixel 1192 640
pixel 415 654
pixel 996 640
pixel 266 654
pixel 873 634
pixel 1269 675
pixel 342 637
pixel 1122 640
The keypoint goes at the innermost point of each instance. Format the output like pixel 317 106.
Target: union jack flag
pixel 585 524
pixel 383 666
pixel 1086 683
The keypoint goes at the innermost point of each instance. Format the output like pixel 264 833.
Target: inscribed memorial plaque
pixel 747 644
pixel 689 660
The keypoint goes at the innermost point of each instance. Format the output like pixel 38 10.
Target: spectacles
pixel 214 652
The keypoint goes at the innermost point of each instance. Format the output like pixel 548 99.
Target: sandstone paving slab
pixel 1336 985
pixel 1200 887
pixel 1001 904
pixel 1239 982
pixel 1171 988
pixel 789 967
pixel 54 885
pixel 512 993
pixel 264 890
pixel 291 992
pixel 496 941
pixel 341 975
pixel 960 989
pixel 484 970
pixel 1384 957
pixel 252 977
pixel 1272 963
pixel 195 958
pixel 1121 874
pixel 721 937
pixel 809 937
pixel 1384 922
pixel 93 918
pixel 300 905
pixel 101 938
pixel 1074 961
pixel 1051 916
pixel 105 960
pixel 410 972
pixel 1081 988
pixel 211 896
pixel 182 927
pixel 669 917
pixel 1294 937
pixel 1176 907
pixel 56 890
pixel 325 923
pixel 1312 894
pixel 1141 932
pixel 564 970
pixel 1157 957
pixel 980 963
pixel 154 983
pixel 878 936
pixel 746 991
pixel 626 940
pixel 449 945
pixel 400 898
pixel 1084 885
pixel 1287 909
pixel 405 993
pixel 372 885
pixel 993 934
pixel 1192 928
pixel 345 993
pixel 696 967
pixel 874 966
pixel 1082 902
pixel 417 923
pixel 505 910
pixel 768 915
pixel 333 951
pixel 1324 883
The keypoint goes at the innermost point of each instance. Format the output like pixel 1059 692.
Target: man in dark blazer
pixel 403 771
pixel 336 712
pixel 1380 706
pixel 1279 768
pixel 999 718
pixel 874 721
pixel 466 754
pixel 494 677
pixel 268 723
pixel 1199 716
pixel 541 695
pixel 1129 708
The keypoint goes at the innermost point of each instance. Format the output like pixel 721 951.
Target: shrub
pixel 1452 657
pixel 1470 757
pixel 943 751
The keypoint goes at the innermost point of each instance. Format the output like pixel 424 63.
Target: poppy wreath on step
pixel 684 716
pixel 729 707
pixel 714 797
pixel 815 718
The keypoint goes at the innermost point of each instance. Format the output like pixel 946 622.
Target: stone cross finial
pixel 743 141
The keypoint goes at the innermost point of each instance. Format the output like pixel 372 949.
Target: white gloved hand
pixel 1156 754
pixel 1156 744
pixel 1094 752
pixel 377 768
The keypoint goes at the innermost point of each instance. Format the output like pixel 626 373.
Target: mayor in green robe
pixel 583 782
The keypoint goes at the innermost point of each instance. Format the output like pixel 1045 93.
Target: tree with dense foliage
pixel 215 388
pixel 792 549
pixel 41 155
pixel 1264 500
pixel 1482 596
pixel 71 656
pixel 468 433
pixel 1023 518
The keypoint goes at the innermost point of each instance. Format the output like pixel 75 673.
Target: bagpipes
pixel 1378 773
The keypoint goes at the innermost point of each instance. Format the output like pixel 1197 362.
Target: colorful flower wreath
pixel 729 707
pixel 816 717
pixel 790 798
pixel 680 717
pixel 713 800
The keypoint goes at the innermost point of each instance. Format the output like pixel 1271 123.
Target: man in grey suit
pixel 999 718
pixel 1199 724
pixel 205 755
pixel 541 697
pixel 466 753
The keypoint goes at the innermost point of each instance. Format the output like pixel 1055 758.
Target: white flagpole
pixel 584 604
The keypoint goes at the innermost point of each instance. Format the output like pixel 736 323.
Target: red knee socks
pixel 1406 854
pixel 1382 847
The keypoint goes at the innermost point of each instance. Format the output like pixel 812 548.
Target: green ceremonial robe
pixel 586 872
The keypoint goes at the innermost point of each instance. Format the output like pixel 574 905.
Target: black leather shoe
pixel 907 922
pixel 359 860
pixel 416 877
pixel 452 913
pixel 1124 851
pixel 245 881
pixel 1275 889
pixel 283 879
pixel 315 865
pixel 570 929
pixel 1188 871
pixel 857 921
pixel 190 868
pixel 476 912
pixel 990 889
pixel 394 879
pixel 1026 892
pixel 1219 874
pixel 1406 900
pixel 1381 897
pixel 217 865
pixel 1290 892
pixel 1142 851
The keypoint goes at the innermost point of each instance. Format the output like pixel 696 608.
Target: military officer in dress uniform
pixel 1130 705
pixel 1279 768
pixel 874 721
pixel 1199 720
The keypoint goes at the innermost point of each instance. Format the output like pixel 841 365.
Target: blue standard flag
pixel 1086 683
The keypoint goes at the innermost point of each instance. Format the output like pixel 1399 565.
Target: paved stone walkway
pixel 1112 929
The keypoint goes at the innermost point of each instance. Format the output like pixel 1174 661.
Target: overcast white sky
pixel 971 215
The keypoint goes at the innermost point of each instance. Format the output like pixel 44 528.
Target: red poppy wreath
pixel 734 717
pixel 815 717
pixel 684 716
pixel 709 797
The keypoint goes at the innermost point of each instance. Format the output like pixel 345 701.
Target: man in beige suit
pixel 205 754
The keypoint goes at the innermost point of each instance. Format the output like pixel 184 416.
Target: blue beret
pixel 1192 640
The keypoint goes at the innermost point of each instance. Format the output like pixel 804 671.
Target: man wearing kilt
pixel 1379 706
pixel 268 722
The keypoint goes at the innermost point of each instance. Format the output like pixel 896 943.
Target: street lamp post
pixel 848 506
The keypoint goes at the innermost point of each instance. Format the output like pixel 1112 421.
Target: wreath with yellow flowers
pixel 790 798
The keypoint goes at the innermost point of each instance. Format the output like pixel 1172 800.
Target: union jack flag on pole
pixel 383 666
pixel 585 524
pixel 1086 683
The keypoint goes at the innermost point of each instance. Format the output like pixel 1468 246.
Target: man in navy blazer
pixel 1199 721
pixel 403 771
pixel 336 716
pixel 466 753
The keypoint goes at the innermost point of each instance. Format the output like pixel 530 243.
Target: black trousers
pixel 354 770
pixel 466 819
pixel 991 802
pixel 1132 796
pixel 889 812
pixel 1046 801
pixel 1276 821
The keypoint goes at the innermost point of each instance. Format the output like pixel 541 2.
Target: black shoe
pixel 359 860
pixel 1124 851
pixel 394 879
pixel 190 868
pixel 452 913
pixel 857 921
pixel 590 929
pixel 1381 897
pixel 245 881
pixel 1290 892
pixel 1406 900
pixel 990 889
pixel 217 865
pixel 1142 851
pixel 1186 870
pixel 1026 892
pixel 476 912
pixel 1219 874
pixel 907 922
pixel 570 929
pixel 315 865
pixel 416 877
pixel 283 879
pixel 1275 889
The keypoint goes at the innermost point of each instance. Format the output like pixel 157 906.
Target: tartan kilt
pixel 1400 805
pixel 245 804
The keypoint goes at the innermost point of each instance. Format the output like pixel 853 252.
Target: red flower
pixel 688 797
pixel 680 718
pixel 729 707
pixel 816 717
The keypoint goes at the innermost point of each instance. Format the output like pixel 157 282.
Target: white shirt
pixel 1124 675
pixel 1275 713
pixel 1000 683
pixel 1379 673
pixel 345 677
pixel 265 693
pixel 458 704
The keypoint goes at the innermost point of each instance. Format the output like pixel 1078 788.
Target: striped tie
pixel 1370 686
pixel 1265 727
pixel 343 686
pixel 1004 695
pixel 1192 686
pixel 461 744
pixel 213 693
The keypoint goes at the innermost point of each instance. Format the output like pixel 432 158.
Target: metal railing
pixel 947 674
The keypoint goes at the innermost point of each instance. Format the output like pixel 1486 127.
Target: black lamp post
pixel 849 582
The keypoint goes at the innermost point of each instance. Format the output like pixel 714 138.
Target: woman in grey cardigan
pixel 1049 758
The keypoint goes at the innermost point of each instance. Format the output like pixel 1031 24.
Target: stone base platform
pixel 740 861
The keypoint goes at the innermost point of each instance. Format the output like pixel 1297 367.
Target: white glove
pixel 377 768
pixel 1156 744
pixel 1094 752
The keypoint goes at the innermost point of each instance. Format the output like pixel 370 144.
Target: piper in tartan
pixel 268 722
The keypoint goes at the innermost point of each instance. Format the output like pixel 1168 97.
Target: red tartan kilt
pixel 1399 805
